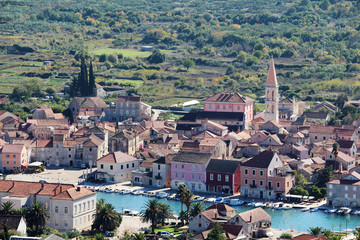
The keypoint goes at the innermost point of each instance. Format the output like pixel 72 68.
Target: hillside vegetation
pixel 203 46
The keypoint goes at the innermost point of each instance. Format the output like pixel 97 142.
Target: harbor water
pixel 284 219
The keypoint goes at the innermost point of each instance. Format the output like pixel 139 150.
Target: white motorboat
pixel 346 211
pixel 278 206
pixel 333 210
pixel 251 204
pixel 198 199
pixel 137 192
pixel 305 209
pixel 226 200
pixel 314 209
pixel 210 200
pixel 236 202
pixel 219 200
pixel 162 194
pixel 259 204
pixel 287 206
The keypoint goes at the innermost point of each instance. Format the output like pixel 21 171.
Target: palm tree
pixel 138 236
pixel 196 208
pixel 165 212
pixel 7 208
pixel 181 194
pixel 151 213
pixel 36 216
pixel 316 231
pixel 188 197
pixel 106 217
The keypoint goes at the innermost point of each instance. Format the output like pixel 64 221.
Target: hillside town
pixel 226 149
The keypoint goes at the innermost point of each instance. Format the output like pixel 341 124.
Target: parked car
pixel 165 234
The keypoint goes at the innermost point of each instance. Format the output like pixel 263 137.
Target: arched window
pixel 273 98
pixel 272 108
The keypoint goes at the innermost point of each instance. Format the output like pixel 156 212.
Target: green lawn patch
pixel 168 228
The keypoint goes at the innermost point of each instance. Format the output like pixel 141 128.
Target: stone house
pixel 215 146
pixel 116 167
pixel 256 222
pixel 264 176
pixel 219 213
pixel 162 171
pixel 84 104
pixel 344 192
pixel 129 107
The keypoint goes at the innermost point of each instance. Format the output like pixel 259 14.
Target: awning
pixel 35 164
pixel 25 164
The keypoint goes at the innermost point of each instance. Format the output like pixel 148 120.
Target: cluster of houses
pixel 224 148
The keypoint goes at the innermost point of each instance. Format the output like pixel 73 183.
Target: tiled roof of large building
pixel 317 115
pixel 24 189
pixel 116 157
pixel 254 215
pixel 229 98
pixel 90 102
pixel 74 194
pixel 12 148
pixel 262 160
pixel 309 237
pixel 192 157
pixel 222 166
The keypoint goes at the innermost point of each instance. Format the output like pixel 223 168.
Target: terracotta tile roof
pixel 309 237
pixel 254 215
pixel 13 148
pixel 210 142
pixel 74 193
pixel 90 102
pixel 217 125
pixel 5 185
pixel 48 122
pixel 221 207
pixel 44 143
pixel 229 97
pixel 322 129
pixel 93 141
pixel 116 157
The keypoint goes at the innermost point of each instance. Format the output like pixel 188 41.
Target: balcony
pixel 157 177
pixel 269 188
pixel 253 186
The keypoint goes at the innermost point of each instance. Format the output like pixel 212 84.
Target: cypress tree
pixel 83 79
pixel 91 80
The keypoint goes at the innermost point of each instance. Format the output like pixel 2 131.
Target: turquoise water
pixel 285 219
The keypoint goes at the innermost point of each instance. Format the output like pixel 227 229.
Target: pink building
pixel 230 102
pixel 190 168
pixel 264 176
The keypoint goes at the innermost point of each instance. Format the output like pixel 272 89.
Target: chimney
pixel 61 189
pixel 250 218
pixel 223 156
pixel 215 215
pixel 55 192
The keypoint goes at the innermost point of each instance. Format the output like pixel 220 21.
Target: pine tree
pixel 91 80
